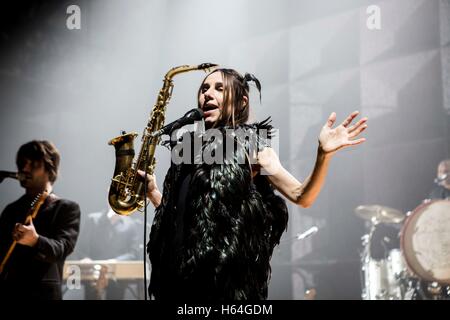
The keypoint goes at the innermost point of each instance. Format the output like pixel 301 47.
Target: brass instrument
pixel 126 193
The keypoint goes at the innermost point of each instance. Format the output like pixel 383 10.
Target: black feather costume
pixel 219 246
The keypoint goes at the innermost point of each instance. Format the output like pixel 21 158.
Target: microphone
pixel 189 118
pixel 441 178
pixel 307 233
pixel 12 175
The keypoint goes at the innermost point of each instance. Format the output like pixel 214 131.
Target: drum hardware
pixel 381 279
pixel 377 214
pixel 425 239
pixel 374 277
pixel 434 288
pixel 420 268
pixel 425 290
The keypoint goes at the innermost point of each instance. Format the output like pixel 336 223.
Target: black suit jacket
pixel 36 272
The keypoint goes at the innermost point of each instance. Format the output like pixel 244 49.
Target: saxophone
pixel 126 192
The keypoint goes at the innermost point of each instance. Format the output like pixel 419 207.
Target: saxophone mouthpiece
pixel 207 65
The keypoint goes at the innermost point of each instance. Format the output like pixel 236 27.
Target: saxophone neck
pixel 126 193
pixel 186 68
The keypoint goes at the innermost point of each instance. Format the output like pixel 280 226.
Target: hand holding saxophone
pixel 153 192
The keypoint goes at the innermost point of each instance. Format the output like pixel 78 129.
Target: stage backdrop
pixel 79 76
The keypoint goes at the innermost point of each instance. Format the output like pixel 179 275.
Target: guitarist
pixel 34 268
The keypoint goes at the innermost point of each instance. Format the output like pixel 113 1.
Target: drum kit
pixel 406 256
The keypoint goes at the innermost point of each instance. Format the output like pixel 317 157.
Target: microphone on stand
pixel 307 233
pixel 441 178
pixel 189 118
pixel 303 235
pixel 12 175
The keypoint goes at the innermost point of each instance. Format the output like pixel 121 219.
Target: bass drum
pixel 425 241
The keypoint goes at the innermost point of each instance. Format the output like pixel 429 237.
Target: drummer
pixel 442 188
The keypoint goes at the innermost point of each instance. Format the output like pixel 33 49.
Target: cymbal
pixel 377 214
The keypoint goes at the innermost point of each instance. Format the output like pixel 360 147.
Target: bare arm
pixel 302 194
pixel 330 140
pixel 153 192
pixel 155 197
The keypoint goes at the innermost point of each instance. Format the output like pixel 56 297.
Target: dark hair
pixel 40 150
pixel 235 89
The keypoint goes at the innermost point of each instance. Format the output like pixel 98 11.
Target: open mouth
pixel 209 107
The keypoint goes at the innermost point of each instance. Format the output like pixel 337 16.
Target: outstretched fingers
pixel 356 125
pixel 331 120
pixel 356 129
pixel 349 119
pixel 357 141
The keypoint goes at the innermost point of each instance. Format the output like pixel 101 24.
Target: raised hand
pixel 344 135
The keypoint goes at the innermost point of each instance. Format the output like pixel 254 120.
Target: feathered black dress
pixel 214 232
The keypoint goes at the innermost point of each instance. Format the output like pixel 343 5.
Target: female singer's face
pixel 211 97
